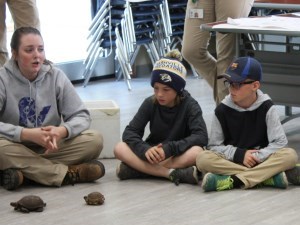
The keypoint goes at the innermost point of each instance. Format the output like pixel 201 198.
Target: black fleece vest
pixel 245 130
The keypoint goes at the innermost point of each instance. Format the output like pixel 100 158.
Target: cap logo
pixel 165 77
pixel 234 66
pixel 243 68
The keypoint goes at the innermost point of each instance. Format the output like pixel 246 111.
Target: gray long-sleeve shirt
pixel 275 132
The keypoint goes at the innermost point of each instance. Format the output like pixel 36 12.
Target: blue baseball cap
pixel 243 68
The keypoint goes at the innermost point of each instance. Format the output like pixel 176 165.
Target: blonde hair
pixel 175 54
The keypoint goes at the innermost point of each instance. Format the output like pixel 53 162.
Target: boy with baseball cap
pixel 247 145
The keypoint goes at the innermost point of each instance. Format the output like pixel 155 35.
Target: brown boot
pixel 11 179
pixel 85 172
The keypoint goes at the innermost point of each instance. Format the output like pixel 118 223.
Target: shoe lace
pixel 174 177
pixel 269 182
pixel 225 184
pixel 72 177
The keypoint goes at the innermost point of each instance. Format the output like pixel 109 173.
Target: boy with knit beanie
pixel 177 130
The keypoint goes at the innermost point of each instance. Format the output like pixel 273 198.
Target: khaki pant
pixel 282 160
pixel 50 169
pixel 24 13
pixel 195 41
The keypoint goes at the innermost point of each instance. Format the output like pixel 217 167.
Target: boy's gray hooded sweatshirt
pixel 50 99
pixel 275 132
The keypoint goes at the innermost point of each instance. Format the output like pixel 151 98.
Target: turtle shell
pixel 29 203
pixel 94 198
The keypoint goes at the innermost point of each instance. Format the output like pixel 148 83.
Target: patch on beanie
pixel 165 77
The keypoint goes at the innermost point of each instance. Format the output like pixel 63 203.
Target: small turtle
pixel 94 198
pixel 29 203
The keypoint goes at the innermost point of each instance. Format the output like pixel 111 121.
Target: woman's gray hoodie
pixel 48 100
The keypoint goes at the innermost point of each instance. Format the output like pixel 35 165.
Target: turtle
pixel 29 203
pixel 94 198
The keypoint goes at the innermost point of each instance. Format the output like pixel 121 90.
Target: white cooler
pixel 105 116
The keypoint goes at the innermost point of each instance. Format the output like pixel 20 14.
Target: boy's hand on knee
pixel 250 160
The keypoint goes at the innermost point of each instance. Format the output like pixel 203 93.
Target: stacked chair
pixel 145 24
pixel 102 37
pixel 177 16
pixel 98 28
pixel 122 27
pixel 146 28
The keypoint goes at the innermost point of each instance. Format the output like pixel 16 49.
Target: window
pixel 64 27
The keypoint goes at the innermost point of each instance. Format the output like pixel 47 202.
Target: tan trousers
pixel 24 13
pixel 50 169
pixel 195 41
pixel 282 160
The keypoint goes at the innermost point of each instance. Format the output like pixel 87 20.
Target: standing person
pixel 247 145
pixel 177 129
pixel 24 13
pixel 43 122
pixel 196 41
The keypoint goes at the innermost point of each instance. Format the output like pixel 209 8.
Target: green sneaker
pixel 214 182
pixel 277 181
pixel 125 172
pixel 186 175
pixel 293 175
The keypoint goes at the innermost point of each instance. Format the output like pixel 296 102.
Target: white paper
pixel 264 23
pixel 296 13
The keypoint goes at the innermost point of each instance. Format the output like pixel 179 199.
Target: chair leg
pixel 126 75
pixel 196 75
pixel 92 67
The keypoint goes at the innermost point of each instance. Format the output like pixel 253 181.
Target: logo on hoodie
pixel 28 115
